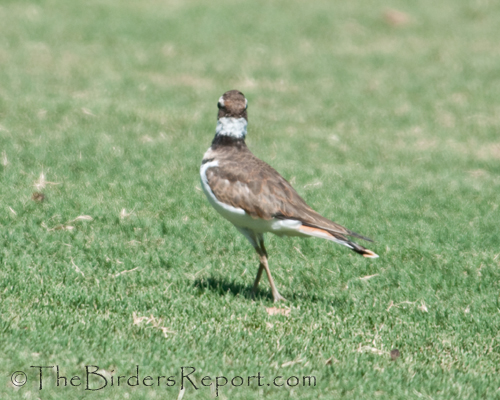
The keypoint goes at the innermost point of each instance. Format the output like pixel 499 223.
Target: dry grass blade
pixel 289 363
pixel 124 214
pixel 165 330
pixel 125 272
pixel 41 182
pixel 138 320
pixel 278 311
pixel 364 349
pixel 155 323
pixel 60 227
pixel 314 184
pixel 12 211
pixel 365 278
pixel 298 251
pixel 82 218
pixel 78 270
pixel 181 393
pixel 422 307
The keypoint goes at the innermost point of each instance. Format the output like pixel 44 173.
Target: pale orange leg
pixel 276 296
pixel 264 266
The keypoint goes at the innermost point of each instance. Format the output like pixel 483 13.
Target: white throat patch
pixel 233 127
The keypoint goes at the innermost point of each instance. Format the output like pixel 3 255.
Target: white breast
pixel 227 211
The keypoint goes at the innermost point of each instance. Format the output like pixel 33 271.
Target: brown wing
pixel 257 188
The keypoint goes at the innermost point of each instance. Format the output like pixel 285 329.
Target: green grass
pixel 392 131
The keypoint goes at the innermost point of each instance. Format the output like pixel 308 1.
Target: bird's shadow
pixel 222 286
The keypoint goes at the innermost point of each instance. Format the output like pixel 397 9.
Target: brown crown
pixel 234 105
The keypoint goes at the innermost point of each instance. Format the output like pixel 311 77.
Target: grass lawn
pixel 387 123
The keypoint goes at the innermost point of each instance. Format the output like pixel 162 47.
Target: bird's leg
pixel 263 265
pixel 276 296
pixel 257 279
pixel 257 241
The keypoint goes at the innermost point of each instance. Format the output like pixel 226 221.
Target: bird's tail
pixel 337 238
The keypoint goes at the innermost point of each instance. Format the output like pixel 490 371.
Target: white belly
pixel 240 218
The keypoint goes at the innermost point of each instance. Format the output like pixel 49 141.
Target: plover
pixel 255 197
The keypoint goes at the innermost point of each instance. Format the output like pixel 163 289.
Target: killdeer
pixel 253 196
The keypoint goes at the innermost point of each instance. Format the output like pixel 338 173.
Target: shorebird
pixel 255 197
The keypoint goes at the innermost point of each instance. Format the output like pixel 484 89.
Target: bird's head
pixel 232 118
pixel 232 104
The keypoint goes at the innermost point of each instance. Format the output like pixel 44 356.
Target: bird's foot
pixel 278 297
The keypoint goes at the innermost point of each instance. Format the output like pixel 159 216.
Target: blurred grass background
pixel 385 116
